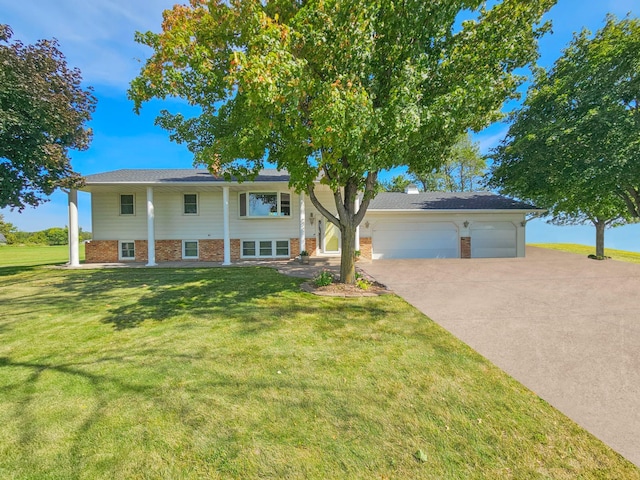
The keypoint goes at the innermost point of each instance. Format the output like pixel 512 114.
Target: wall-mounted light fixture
pixel 466 224
pixel 366 224
pixel 523 223
pixel 312 218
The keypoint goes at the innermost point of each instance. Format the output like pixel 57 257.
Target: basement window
pixel 190 249
pixel 265 248
pixel 127 250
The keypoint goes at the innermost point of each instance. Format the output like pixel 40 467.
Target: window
pixel 265 204
pixel 190 249
pixel 127 203
pixel 265 248
pixel 127 251
pixel 282 248
pixel 249 249
pixel 190 205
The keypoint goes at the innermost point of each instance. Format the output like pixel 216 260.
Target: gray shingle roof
pixel 383 201
pixel 185 175
pixel 446 201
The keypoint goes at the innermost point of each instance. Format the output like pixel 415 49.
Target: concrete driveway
pixel 565 326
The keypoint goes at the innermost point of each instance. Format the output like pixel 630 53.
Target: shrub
pixel 323 279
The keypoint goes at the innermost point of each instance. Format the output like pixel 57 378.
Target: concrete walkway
pixel 565 326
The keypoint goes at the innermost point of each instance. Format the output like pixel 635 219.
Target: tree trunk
pixel 348 219
pixel 348 255
pixel 600 226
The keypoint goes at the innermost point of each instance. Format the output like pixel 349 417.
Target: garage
pixel 415 240
pixel 493 240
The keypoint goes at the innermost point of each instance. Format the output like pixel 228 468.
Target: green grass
pixel 31 255
pixel 621 255
pixel 236 373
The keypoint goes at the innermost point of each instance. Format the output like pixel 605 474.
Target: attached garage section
pixel 418 239
pixel 493 240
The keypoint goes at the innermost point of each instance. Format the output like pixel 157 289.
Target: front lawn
pixel 236 373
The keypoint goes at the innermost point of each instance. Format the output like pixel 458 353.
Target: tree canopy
pixel 574 146
pixel 43 112
pixel 336 89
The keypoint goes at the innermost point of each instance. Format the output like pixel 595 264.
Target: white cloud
pixel 95 36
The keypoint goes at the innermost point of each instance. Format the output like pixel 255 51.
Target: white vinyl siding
pixel 171 223
pixel 262 227
pixel 108 224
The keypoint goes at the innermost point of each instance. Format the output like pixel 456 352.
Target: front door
pixel 330 235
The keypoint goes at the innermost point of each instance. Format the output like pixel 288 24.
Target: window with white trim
pixel 127 204
pixel 190 204
pixel 190 249
pixel 127 250
pixel 265 204
pixel 265 248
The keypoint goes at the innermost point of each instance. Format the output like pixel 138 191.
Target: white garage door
pixel 493 240
pixel 415 240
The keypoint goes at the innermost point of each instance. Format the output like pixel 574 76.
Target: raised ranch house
pixel 156 216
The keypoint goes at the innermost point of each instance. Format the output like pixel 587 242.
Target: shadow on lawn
pixel 257 297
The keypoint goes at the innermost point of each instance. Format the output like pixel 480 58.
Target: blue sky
pixel 97 37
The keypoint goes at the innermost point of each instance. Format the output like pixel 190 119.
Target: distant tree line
pixel 49 236
pixel 460 169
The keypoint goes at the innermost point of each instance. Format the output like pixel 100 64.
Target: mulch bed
pixel 344 290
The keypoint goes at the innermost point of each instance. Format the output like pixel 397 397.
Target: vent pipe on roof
pixel 411 189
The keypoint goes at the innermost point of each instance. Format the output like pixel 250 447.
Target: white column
pixel 225 223
pixel 151 231
pixel 303 237
pixel 74 244
pixel 358 227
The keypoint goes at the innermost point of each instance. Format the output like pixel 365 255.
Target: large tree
pixel 43 112
pixel 461 169
pixel 574 145
pixel 335 89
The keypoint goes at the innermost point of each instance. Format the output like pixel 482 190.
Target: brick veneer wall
pixel 168 250
pixel 465 247
pixel 142 253
pixel 210 250
pixel 294 247
pixel 365 247
pixel 310 245
pixel 101 251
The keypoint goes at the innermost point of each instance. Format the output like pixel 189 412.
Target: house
pixel 3 239
pixel 167 215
